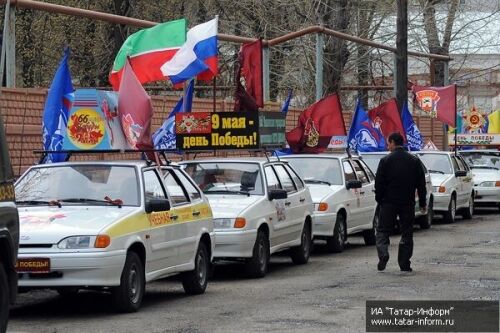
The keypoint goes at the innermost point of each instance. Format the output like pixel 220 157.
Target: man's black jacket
pixel 399 174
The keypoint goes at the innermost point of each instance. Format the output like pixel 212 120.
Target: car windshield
pixel 488 160
pixel 372 161
pixel 227 177
pixel 436 163
pixel 318 169
pixel 79 184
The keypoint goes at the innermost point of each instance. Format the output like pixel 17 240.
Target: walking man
pixel 399 174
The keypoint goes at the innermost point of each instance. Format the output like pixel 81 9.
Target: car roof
pixel 479 151
pixel 322 155
pixel 435 152
pixel 374 153
pixel 134 163
pixel 257 160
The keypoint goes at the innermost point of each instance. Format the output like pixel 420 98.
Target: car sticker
pixel 280 209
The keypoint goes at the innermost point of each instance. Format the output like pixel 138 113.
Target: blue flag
pixel 164 137
pixel 363 137
pixel 414 138
pixel 285 106
pixel 55 113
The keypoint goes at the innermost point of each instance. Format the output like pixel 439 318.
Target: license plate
pixel 33 265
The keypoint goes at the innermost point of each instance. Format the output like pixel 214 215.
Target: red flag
pixel 316 125
pixel 250 69
pixel 386 118
pixel 438 102
pixel 135 110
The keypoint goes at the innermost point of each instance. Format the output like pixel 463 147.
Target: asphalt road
pixel 459 261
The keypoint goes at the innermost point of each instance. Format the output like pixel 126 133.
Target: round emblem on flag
pixel 86 128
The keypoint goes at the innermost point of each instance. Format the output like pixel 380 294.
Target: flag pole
pixel 456 120
pixel 214 88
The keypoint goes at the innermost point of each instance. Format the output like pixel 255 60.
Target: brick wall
pixel 22 111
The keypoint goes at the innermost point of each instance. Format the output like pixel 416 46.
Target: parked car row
pixel 115 226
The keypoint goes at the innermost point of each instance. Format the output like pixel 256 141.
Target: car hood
pixel 319 192
pixel 49 225
pixel 231 205
pixel 483 175
pixel 438 179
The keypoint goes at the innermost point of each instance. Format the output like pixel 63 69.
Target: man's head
pixel 395 140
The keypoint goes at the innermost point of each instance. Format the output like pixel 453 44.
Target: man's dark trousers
pixel 387 221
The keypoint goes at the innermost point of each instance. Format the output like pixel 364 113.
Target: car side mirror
pixel 461 173
pixel 353 184
pixel 157 205
pixel 277 194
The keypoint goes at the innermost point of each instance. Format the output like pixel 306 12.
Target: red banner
pixel 438 102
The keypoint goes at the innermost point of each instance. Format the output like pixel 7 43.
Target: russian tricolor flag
pixel 197 57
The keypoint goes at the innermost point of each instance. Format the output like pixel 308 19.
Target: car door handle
pixel 362 192
pixel 174 217
pixel 196 213
pixel 302 199
pixel 287 203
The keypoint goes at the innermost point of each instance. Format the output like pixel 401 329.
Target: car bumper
pixel 323 223
pixel 487 194
pixel 234 244
pixel 90 269
pixel 441 201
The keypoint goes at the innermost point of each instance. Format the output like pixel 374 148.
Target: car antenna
pixel 348 151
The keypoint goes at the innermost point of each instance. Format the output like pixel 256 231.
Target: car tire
pixel 469 211
pixel 127 297
pixel 195 281
pixel 336 243
pixel 256 267
pixel 4 299
pixel 425 221
pixel 300 254
pixel 449 215
pixel 369 235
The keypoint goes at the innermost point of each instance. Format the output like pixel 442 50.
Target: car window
pixel 296 179
pixel 317 170
pixel 152 185
pixel 460 158
pixel 192 191
pixel 272 180
pixel 436 163
pixel 461 165
pixel 362 175
pixel 455 164
pixel 372 161
pixel 285 179
pixel 348 171
pixel 482 160
pixel 227 177
pixel 175 189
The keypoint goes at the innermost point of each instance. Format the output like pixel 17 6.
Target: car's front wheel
pixel 128 296
pixel 469 211
pixel 195 282
pixel 300 254
pixel 449 216
pixel 4 299
pixel 336 243
pixel 425 221
pixel 256 266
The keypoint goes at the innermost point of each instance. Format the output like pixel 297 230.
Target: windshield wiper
pixel 435 171
pixel 40 202
pixel 316 181
pixel 484 167
pixel 227 191
pixel 87 200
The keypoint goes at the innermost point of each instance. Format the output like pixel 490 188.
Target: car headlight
pixel 223 223
pixel 77 242
pixel 490 184
pixel 237 223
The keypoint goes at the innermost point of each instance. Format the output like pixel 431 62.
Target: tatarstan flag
pixel 148 50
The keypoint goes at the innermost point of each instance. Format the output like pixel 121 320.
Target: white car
pixel 342 191
pixel 372 159
pixel 260 207
pixel 112 226
pixel 485 165
pixel 451 183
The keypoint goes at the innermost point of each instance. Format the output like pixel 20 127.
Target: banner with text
pixel 198 131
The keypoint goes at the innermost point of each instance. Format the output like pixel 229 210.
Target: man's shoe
pixel 382 263
pixel 409 270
